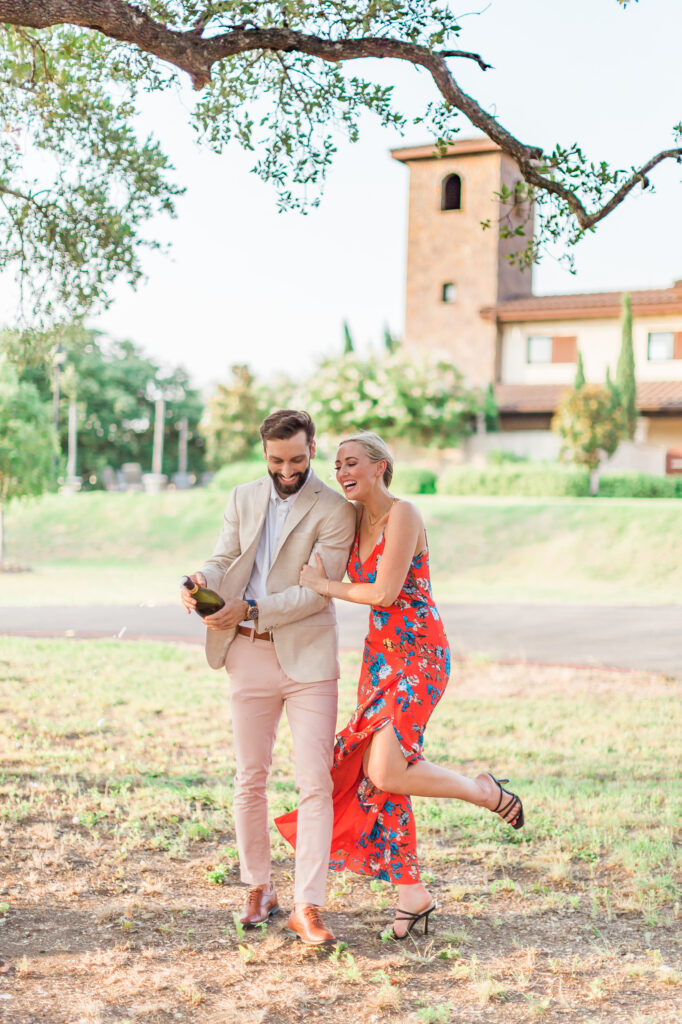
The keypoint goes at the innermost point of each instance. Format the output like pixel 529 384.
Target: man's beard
pixel 286 490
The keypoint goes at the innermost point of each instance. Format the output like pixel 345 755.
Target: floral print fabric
pixel 406 664
pixel 405 668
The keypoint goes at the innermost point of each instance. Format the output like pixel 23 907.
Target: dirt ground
pixel 94 932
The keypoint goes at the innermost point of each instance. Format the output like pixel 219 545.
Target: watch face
pixel 253 612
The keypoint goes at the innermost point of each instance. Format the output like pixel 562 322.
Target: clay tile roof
pixel 457 148
pixel 652 396
pixel 585 306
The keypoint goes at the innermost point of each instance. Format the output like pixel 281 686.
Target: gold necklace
pixel 373 522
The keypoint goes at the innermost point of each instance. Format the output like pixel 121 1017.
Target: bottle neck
pixel 189 584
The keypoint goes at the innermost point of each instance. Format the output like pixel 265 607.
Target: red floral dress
pixel 406 665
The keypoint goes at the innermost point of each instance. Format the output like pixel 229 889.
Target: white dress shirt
pixel 278 510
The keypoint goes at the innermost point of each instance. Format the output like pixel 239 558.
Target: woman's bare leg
pixel 386 766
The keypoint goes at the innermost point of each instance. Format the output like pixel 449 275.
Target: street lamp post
pixel 58 360
pixel 156 480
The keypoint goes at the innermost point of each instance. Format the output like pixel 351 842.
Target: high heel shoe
pixel 513 802
pixel 407 915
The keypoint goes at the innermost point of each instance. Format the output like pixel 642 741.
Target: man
pixel 278 642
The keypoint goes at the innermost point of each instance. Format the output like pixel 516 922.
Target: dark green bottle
pixel 207 600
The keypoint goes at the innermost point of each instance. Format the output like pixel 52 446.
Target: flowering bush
pixel 424 402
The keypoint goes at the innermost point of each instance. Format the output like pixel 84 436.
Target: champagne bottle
pixel 207 600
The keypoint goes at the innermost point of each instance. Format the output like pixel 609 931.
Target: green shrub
pixel 238 473
pixel 639 485
pixel 498 456
pixel 523 479
pixel 414 480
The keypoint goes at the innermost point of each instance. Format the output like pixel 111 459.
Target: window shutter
pixel 677 349
pixel 565 350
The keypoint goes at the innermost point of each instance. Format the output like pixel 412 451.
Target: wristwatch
pixel 252 613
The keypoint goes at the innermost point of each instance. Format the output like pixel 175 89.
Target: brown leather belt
pixel 253 635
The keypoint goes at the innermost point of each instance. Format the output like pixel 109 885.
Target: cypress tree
pixel 579 381
pixel 625 371
pixel 348 345
pixel 613 390
pixel 491 412
pixel 390 343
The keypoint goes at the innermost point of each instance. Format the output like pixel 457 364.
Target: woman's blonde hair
pixel 375 449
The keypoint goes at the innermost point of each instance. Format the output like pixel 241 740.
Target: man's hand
pixel 188 602
pixel 230 615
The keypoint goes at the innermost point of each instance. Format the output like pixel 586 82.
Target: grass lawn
pixel 120 872
pixel 130 548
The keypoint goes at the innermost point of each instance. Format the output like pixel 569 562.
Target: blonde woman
pixel 378 759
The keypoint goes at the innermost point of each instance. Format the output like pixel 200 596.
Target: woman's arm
pixel 402 532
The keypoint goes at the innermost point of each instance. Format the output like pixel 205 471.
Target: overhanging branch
pixel 192 53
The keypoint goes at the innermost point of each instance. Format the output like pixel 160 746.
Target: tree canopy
pixel 77 186
pixel 27 444
pixel 114 385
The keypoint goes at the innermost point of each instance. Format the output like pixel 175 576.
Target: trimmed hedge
pixel 639 485
pixel 523 479
pixel 238 473
pixel 414 480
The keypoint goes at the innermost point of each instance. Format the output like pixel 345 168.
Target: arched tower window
pixel 451 198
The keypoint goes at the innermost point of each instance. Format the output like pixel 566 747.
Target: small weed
pixel 489 990
pixel 597 990
pixel 335 956
pixel 191 994
pixel 246 952
pixel 537 1007
pixel 449 954
pixel 461 937
pixel 23 968
pixel 218 875
pixel 350 971
pixel 503 885
pixel 439 1014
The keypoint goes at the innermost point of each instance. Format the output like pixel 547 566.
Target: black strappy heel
pixel 514 801
pixel 407 915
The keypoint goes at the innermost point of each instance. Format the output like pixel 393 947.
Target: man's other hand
pixel 230 615
pixel 188 602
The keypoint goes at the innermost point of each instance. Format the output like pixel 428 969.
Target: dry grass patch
pixel 120 878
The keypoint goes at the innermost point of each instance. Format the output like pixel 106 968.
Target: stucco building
pixel 466 301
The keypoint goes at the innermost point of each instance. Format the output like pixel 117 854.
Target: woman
pixel 378 760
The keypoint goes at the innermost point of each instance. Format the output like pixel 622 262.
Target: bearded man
pixel 279 644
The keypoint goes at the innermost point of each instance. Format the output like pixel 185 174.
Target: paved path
pixel 635 637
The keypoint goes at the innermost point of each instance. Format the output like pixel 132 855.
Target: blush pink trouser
pixel 259 689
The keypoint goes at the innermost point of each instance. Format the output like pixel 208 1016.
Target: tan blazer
pixel 303 623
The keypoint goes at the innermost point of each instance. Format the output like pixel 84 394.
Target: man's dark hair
pixel 284 423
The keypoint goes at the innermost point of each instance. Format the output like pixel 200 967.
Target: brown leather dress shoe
pixel 309 926
pixel 261 903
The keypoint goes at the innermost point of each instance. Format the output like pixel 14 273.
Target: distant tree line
pixel 113 385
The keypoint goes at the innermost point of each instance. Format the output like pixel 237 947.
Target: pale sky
pixel 242 283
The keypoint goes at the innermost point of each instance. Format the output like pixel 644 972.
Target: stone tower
pixel 454 267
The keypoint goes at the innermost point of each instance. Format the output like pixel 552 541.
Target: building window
pixel 451 196
pixel 661 346
pixel 539 349
pixel 542 348
pixel 449 292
